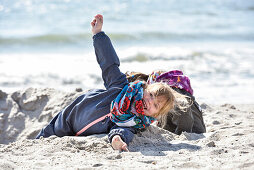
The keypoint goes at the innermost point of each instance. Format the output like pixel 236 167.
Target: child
pixel 120 110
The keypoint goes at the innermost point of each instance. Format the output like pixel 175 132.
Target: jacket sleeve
pixel 108 61
pixel 126 133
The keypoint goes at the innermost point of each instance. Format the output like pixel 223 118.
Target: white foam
pixel 217 76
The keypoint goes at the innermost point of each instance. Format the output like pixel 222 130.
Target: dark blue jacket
pixel 95 103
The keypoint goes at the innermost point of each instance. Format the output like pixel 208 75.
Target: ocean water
pixel 48 43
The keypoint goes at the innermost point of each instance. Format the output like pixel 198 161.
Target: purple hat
pixel 173 78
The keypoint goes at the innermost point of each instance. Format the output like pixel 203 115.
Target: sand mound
pixel 24 113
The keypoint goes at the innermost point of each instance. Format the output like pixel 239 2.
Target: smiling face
pixel 152 104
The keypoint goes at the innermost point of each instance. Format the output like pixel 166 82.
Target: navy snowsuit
pixel 95 103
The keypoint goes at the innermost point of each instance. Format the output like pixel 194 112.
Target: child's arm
pixel 106 56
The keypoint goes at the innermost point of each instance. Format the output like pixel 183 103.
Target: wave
pixel 169 54
pixel 125 37
pixel 48 38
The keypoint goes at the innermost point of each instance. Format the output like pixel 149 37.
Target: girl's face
pixel 152 104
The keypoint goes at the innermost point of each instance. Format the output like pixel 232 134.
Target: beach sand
pixel 228 143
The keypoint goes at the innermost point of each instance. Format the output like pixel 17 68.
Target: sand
pixel 228 143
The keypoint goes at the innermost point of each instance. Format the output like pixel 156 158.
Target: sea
pixel 48 43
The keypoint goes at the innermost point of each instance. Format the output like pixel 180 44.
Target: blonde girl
pixel 119 110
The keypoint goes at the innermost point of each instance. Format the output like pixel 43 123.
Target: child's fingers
pixel 99 17
pixel 93 22
pixel 125 148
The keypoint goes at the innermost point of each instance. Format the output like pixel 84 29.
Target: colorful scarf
pixel 173 78
pixel 127 109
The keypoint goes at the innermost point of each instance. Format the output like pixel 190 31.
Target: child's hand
pixel 119 144
pixel 97 24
